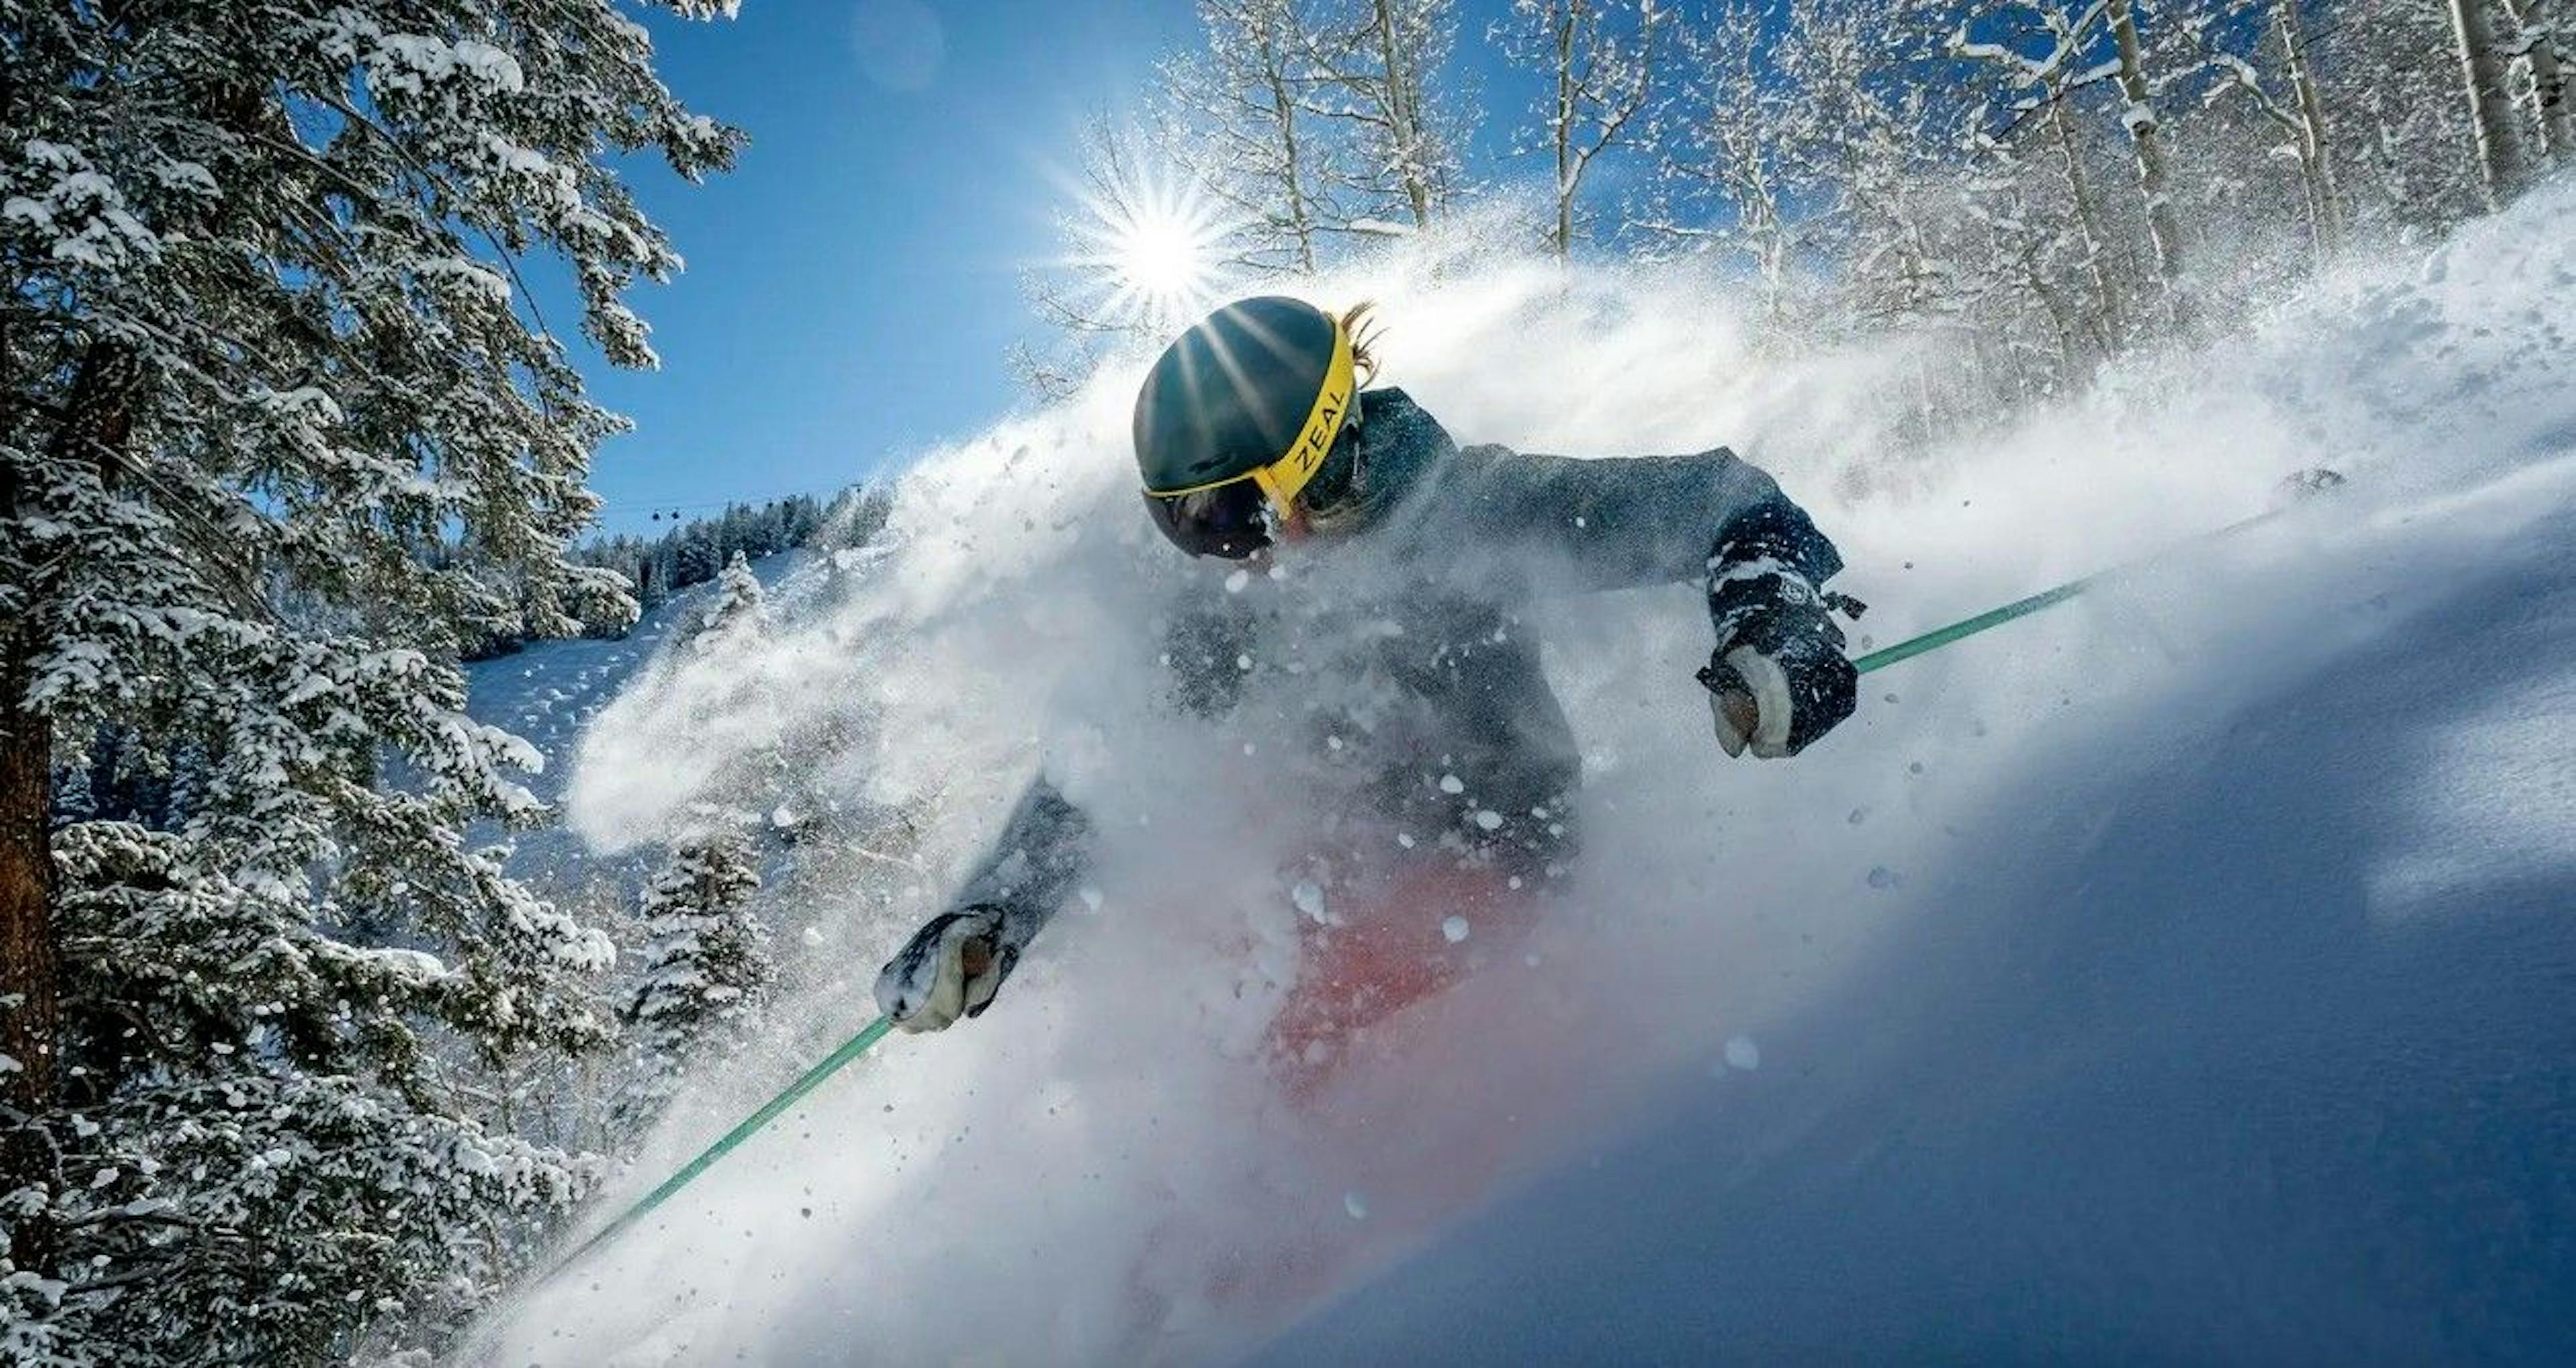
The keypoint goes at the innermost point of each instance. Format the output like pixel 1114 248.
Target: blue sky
pixel 853 286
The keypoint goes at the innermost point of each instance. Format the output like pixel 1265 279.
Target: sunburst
pixel 1149 246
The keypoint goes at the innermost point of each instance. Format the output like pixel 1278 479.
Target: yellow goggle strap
pixel 1284 479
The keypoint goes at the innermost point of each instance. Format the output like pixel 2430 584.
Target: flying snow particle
pixel 1235 582
pixel 1490 820
pixel 1450 783
pixel 1356 1205
pixel 1742 1053
pixel 1454 928
pixel 1309 897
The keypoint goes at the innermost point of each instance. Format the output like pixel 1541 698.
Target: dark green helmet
pixel 1261 383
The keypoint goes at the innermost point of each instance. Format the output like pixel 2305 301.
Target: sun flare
pixel 1152 250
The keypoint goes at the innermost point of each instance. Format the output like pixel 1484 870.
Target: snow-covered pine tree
pixel 263 356
pixel 738 608
pixel 705 971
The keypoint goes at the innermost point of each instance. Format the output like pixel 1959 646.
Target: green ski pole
pixel 2021 608
pixel 751 1125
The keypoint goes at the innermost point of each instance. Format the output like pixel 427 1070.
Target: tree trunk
pixel 1562 237
pixel 1403 76
pixel 28 977
pixel 1301 225
pixel 2163 228
pixel 30 980
pixel 2109 331
pixel 2315 150
pixel 96 425
pixel 2490 107
pixel 2542 41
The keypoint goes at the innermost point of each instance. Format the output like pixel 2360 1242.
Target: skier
pixel 1423 705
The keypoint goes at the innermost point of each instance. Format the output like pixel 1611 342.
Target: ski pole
pixel 807 1082
pixel 2021 608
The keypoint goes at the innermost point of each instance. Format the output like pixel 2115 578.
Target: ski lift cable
pixel 2305 483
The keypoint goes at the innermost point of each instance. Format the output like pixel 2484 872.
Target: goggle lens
pixel 1230 520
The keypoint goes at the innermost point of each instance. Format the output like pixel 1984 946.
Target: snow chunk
pixel 1453 928
pixel 1742 1053
pixel 1308 895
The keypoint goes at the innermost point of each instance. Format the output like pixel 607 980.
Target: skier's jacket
pixel 1400 657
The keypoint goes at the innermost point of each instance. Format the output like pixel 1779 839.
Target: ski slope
pixel 2237 1032
pixel 2180 974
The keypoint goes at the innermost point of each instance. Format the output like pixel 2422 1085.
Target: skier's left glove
pixel 1778 678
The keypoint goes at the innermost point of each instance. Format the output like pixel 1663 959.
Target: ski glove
pixel 951 968
pixel 1778 678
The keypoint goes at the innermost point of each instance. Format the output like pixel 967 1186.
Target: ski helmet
pixel 1236 418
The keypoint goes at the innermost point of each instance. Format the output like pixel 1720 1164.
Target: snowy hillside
pixel 2226 1023
pixel 2181 974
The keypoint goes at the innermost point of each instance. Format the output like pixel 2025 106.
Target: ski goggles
pixel 1231 520
pixel 1233 517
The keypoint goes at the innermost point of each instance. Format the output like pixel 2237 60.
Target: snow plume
pixel 1098 1170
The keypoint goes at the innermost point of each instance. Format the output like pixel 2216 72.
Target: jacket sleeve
pixel 1032 867
pixel 1625 522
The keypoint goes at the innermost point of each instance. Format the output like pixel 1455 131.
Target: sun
pixel 1161 255
pixel 1150 250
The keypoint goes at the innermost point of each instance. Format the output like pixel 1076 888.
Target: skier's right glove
pixel 950 969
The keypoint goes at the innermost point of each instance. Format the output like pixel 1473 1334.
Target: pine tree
pixel 705 971
pixel 738 610
pixel 264 355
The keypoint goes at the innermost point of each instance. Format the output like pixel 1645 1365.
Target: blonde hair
pixel 1364 332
